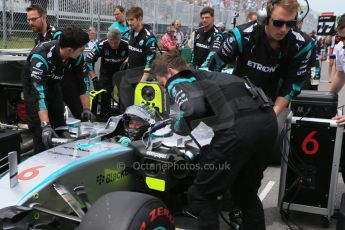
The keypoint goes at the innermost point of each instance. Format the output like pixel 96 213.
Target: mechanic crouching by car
pixel 245 129
pixel 42 73
pixel 113 52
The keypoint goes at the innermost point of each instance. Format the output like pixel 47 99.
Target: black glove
pixel 86 115
pixel 47 134
pixel 63 132
pixel 96 83
pixel 124 66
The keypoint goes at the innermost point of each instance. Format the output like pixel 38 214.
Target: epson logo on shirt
pixel 202 46
pixel 135 49
pixel 262 68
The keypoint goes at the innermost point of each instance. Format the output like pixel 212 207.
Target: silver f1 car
pixel 96 183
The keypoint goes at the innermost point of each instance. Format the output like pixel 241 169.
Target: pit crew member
pixel 42 73
pixel 245 129
pixel 207 39
pixel 113 52
pixel 270 52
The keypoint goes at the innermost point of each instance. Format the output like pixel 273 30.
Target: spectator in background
pixel 121 23
pixel 92 37
pixel 251 16
pixel 178 33
pixel 332 57
pixel 169 42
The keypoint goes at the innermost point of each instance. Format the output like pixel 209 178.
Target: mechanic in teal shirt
pixel 121 23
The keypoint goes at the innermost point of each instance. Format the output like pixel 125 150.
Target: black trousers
pixel 235 161
pixel 54 104
pixel 129 81
pixel 108 81
pixel 71 93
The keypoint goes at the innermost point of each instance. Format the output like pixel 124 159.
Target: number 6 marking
pixel 309 139
pixel 29 173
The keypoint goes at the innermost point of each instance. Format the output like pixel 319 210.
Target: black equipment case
pixel 316 104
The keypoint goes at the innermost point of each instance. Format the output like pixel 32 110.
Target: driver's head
pixel 137 119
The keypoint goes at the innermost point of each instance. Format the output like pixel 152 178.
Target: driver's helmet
pixel 137 119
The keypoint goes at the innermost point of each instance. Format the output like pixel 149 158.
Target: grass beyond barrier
pixel 14 42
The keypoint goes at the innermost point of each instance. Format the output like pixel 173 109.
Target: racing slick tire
pixel 127 211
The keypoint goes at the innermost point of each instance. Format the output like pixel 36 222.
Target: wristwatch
pixel 44 123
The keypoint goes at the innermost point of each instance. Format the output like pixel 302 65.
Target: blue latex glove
pixel 124 141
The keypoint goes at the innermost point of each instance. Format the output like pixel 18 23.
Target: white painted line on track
pixel 266 190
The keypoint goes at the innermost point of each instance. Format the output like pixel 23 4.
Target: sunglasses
pixel 280 23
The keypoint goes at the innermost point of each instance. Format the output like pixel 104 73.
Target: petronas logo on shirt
pixel 141 42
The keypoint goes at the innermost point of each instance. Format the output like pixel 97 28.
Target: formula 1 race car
pixel 97 183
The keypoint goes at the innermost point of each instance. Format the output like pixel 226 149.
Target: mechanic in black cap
pixel 270 52
pixel 113 52
pixel 42 73
pixel 245 129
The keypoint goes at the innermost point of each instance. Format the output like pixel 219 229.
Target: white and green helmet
pixel 142 113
